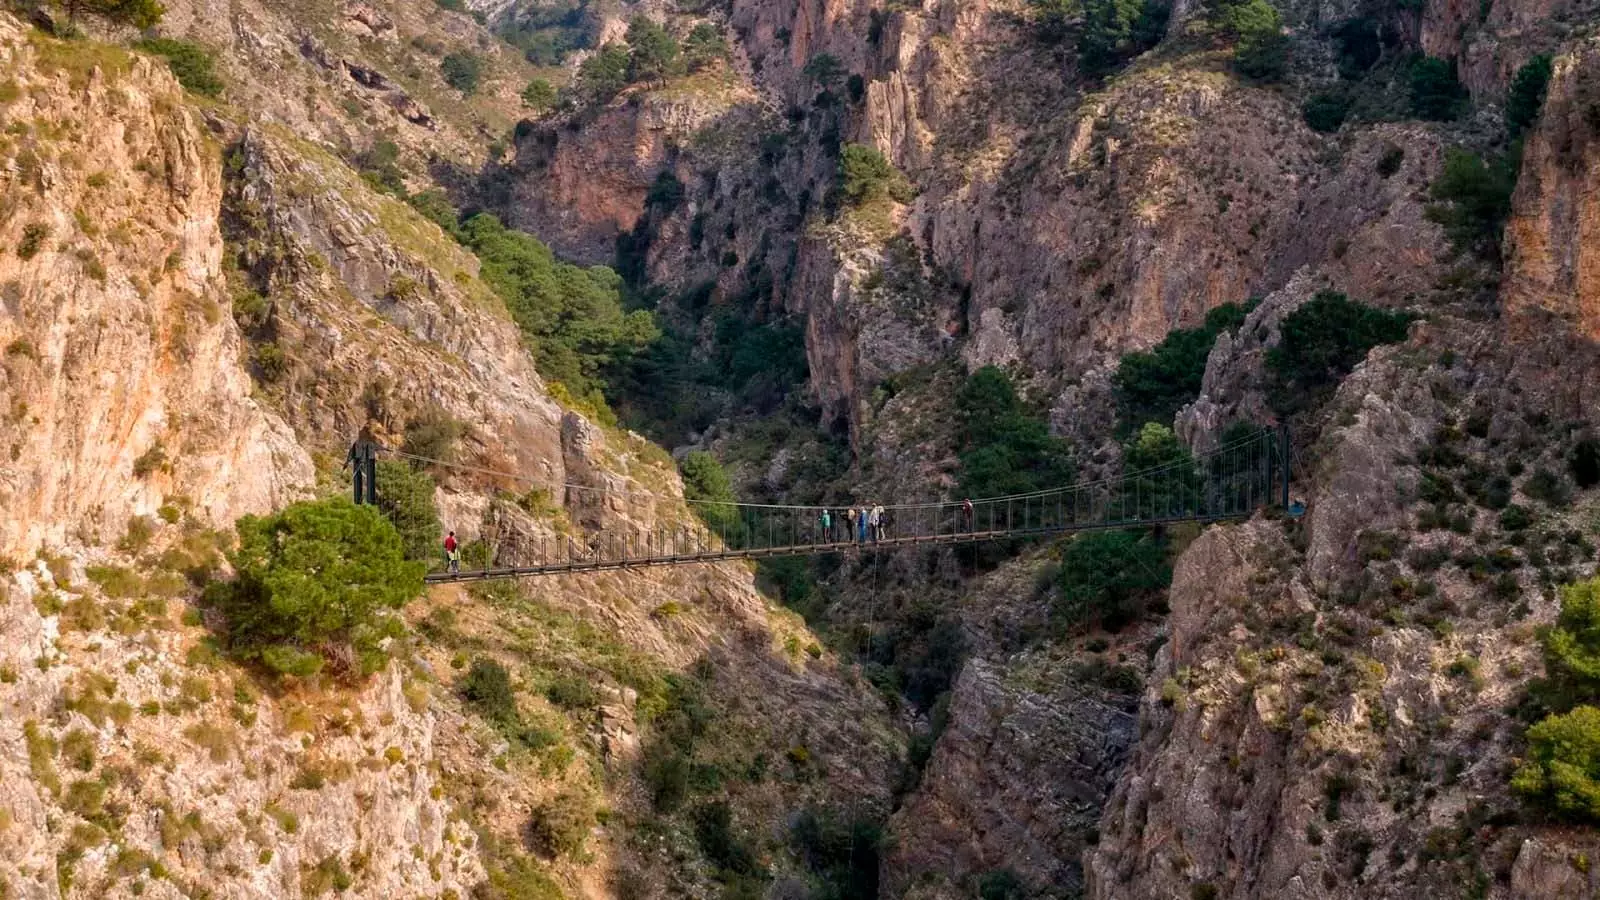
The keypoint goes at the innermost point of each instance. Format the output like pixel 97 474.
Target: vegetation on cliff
pixel 317 584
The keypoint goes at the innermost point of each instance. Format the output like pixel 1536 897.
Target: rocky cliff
pixel 227 301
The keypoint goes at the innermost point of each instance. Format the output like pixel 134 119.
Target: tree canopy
pixel 1006 449
pixel 1153 386
pixel 1322 342
pixel 653 53
pixel 572 316
pixel 318 582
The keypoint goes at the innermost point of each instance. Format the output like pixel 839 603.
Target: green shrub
pixel 1110 578
pixel 487 687
pixel 1526 97
pixel 560 825
pixel 1389 162
pixel 704 46
pixel 1262 55
pixel 191 63
pixel 1436 93
pixel 866 175
pixel 713 830
pixel 1572 645
pixel 571 690
pixel 666 777
pixel 1515 518
pixel 1152 386
pixel 1261 51
pixel 539 95
pixel 516 877
pixel 1112 31
pixel 1583 462
pixel 1322 342
pixel 1472 199
pixel 462 70
pixel 706 485
pixel 1548 487
pixel 320 581
pixel 1562 769
pixel 406 497
pixel 1326 111
pixel 1159 493
pixel 137 13
pixel 1005 448
pixel 602 75
pixel 841 851
pixel 1001 884
pixel 34 234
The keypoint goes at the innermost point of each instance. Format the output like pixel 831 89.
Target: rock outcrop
pixel 122 381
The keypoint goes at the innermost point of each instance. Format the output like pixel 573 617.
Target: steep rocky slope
pixel 135 757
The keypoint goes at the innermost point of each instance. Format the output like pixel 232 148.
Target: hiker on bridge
pixel 452 554
pixel 966 514
pixel 826 520
pixel 861 525
pixel 875 519
pixel 850 517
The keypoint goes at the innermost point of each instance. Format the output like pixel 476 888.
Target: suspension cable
pixel 1110 481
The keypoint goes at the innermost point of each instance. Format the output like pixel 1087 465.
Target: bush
pixel 842 853
pixel 1526 97
pixel 573 691
pixel 1326 111
pixel 487 687
pixel 432 434
pixel 1114 31
pixel 713 830
pixel 191 63
pixel 1162 492
pixel 865 175
pixel 1572 645
pixel 706 485
pixel 1001 884
pixel 1262 55
pixel 319 582
pixel 137 13
pixel 1110 578
pixel 1562 770
pixel 539 95
pixel 1262 51
pixel 704 47
pixel 1436 93
pixel 1548 487
pixel 1583 462
pixel 560 825
pixel 1322 342
pixel 572 317
pixel 666 776
pixel 1472 200
pixel 462 70
pixel 405 496
pixel 1005 450
pixel 602 75
pixel 1153 386
pixel 34 234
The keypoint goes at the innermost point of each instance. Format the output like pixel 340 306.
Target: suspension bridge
pixel 1229 482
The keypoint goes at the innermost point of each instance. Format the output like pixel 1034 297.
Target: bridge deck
pixel 806 549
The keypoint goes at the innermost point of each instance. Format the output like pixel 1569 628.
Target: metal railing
pixel 1229 482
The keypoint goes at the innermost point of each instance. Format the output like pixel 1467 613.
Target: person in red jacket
pixel 452 553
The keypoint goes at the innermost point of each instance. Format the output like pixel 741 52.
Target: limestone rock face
pixel 1552 266
pixel 122 382
pixel 1017 781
